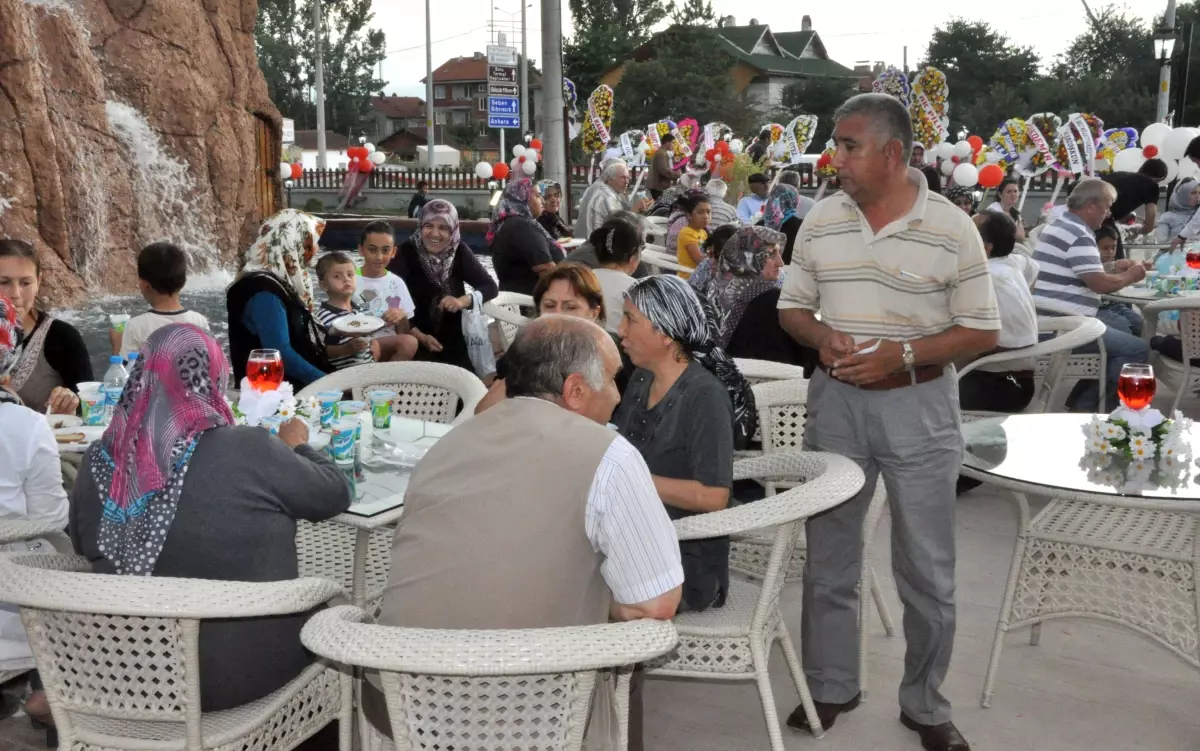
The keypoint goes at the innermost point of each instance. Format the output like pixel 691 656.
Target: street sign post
pixel 504 105
pixel 504 102
pixel 501 74
pixel 502 55
pixel 504 121
pixel 503 89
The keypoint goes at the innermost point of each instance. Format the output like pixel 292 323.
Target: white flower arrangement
pixel 1137 450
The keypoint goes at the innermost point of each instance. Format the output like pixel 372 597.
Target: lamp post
pixel 523 65
pixel 320 86
pixel 1164 48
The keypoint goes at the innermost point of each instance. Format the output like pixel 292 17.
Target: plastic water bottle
pixel 131 358
pixel 114 383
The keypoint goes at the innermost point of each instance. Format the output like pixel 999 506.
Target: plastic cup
pixel 381 409
pixel 328 401
pixel 350 409
pixel 272 423
pixel 117 321
pixel 348 473
pixel 341 444
pixel 93 401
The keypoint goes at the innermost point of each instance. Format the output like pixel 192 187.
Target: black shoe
pixel 944 737
pixel 827 713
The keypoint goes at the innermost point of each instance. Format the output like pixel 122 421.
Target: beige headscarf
pixel 286 246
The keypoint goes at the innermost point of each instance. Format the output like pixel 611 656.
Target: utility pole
pixel 526 126
pixel 554 143
pixel 317 26
pixel 429 139
pixel 1164 75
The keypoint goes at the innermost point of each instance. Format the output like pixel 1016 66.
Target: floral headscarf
pixel 674 309
pixel 781 206
pixel 10 345
pixel 739 277
pixel 286 245
pixel 175 393
pixel 438 267
pixel 955 192
pixel 515 203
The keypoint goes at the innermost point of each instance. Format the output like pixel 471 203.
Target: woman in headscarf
pixel 551 204
pixel 1180 208
pixel 664 205
pixel 53 359
pixel 962 197
pixel 521 248
pixel 270 303
pixel 783 214
pixel 437 265
pixel 174 488
pixel 685 409
pixel 31 489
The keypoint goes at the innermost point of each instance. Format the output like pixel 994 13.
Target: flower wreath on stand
pixel 1137 449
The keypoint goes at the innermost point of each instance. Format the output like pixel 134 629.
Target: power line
pixel 389 53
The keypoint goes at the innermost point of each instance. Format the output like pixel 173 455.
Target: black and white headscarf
pixel 673 308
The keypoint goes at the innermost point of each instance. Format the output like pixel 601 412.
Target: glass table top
pixel 1049 450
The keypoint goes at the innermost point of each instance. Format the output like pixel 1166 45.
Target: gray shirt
pixel 236 521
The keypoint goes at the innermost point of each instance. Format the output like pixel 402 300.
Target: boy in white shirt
pixel 162 274
pixel 380 292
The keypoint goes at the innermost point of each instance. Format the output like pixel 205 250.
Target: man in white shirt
pixel 752 205
pixel 722 213
pixel 605 196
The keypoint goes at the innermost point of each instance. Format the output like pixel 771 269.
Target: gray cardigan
pixel 236 521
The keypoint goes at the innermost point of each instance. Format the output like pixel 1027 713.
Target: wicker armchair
pixel 503 689
pixel 761 371
pixel 1180 376
pixel 509 309
pixel 329 550
pixel 119 656
pixel 733 642
pixel 20 530
pixel 425 390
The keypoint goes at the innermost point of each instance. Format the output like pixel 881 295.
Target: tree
pixel 817 96
pixel 606 31
pixel 462 137
pixel 352 53
pixel 1114 44
pixel 693 13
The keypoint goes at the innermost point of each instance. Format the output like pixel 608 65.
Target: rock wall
pixel 70 185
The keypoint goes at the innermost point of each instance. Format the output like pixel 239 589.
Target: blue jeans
pixel 1121 316
pixel 1122 348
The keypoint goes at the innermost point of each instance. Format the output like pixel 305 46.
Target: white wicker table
pixel 1109 552
pixel 1139 297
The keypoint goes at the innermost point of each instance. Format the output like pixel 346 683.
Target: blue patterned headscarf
pixel 781 206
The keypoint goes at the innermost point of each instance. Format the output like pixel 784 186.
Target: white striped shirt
pixel 1066 250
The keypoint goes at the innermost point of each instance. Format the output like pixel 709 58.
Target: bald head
pixel 567 360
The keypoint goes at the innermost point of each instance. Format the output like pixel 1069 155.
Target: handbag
pixel 479 340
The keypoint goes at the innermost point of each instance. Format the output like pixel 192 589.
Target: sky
pixel 852 31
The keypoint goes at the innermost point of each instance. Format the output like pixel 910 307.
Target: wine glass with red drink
pixel 264 369
pixel 1136 386
pixel 1193 257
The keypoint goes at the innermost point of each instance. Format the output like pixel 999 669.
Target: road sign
pixel 501 74
pixel 289 131
pixel 504 105
pixel 498 55
pixel 503 89
pixel 504 121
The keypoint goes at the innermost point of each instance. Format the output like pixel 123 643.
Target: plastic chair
pixel 506 308
pixel 1180 376
pixel 119 657
pixel 733 642
pixel 500 689
pixel 760 371
pixel 424 390
pixel 20 530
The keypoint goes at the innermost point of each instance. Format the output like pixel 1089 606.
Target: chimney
pixel 754 22
pixel 730 21
pixel 479 56
pixel 806 23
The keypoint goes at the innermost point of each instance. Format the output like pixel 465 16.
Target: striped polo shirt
pixel 1066 250
pixel 918 276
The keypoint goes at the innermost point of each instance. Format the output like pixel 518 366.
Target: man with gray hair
pixel 1072 279
pixel 900 279
pixel 491 538
pixel 605 196
pixel 722 212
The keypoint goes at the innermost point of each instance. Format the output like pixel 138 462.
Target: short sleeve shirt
pixel 688 236
pixel 1065 252
pixel 1133 191
pixel 326 314
pixel 388 292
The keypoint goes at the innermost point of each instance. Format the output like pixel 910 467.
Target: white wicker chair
pixel 1180 376
pixel 1053 358
pixel 487 690
pixel 733 642
pixel 507 308
pixel 761 371
pixel 425 390
pixel 19 530
pixel 329 549
pixel 119 657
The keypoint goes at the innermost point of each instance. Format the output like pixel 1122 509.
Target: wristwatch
pixel 910 358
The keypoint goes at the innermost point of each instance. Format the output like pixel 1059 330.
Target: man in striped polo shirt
pixel 1072 279
pixel 900 279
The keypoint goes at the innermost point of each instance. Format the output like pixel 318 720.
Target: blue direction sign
pixel 504 121
pixel 504 105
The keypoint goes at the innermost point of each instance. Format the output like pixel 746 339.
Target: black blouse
pixel 518 246
pixel 759 336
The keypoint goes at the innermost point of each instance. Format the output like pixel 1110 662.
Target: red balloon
pixel 536 144
pixel 991 175
pixel 954 159
pixel 297 170
pixel 365 166
pixel 976 142
pixel 1150 152
pixel 722 147
pixel 710 155
pixel 499 170
pixel 521 159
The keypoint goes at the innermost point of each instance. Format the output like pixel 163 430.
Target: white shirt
pixel 749 207
pixel 378 295
pixel 613 284
pixel 1012 277
pixel 139 328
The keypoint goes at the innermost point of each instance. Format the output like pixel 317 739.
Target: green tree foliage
pixel 353 51
pixel 815 96
pixel 606 31
pixel 693 13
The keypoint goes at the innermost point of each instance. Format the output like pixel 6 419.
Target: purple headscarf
pixel 515 203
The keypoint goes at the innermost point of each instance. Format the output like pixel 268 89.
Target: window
pixel 439 117
pixel 439 92
pixel 481 88
pixel 459 117
pixel 483 128
pixel 462 92
pixel 483 105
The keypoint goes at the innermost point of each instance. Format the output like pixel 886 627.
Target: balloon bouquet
pixel 362 161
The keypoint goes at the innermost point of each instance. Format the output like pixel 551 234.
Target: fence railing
pixel 458 179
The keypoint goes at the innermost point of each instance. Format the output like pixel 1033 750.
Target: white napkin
pixel 256 405
pixel 1143 420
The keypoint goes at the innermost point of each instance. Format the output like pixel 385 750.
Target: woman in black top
pixel 521 248
pixel 437 265
pixel 551 203
pixel 781 214
pixel 53 360
pixel 685 409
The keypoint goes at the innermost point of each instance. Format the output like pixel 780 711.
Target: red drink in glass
pixel 1193 258
pixel 264 369
pixel 1136 391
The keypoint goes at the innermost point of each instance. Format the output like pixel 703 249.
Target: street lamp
pixel 1164 47
pixel 1164 44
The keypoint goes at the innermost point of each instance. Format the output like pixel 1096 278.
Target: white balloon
pixel 1155 134
pixel 966 175
pixel 514 167
pixel 1172 171
pixel 1188 169
pixel 944 150
pixel 948 168
pixel 1128 160
pixel 377 158
pixel 962 149
pixel 285 171
pixel 992 157
pixel 1176 143
pixel 529 167
pixel 370 148
pixel 483 171
pixel 519 150
pixel 531 155
pixel 736 145
pixel 1101 165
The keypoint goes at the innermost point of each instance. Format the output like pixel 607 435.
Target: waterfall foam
pixel 169 207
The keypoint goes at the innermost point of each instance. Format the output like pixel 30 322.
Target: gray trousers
pixel 912 437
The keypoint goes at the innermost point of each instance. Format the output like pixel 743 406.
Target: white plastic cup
pixel 118 321
pixel 92 400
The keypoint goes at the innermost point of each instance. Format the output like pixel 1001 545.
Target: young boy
pixel 338 279
pixel 162 273
pixel 382 293
pixel 1118 315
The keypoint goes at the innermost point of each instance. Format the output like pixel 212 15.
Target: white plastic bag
pixel 479 341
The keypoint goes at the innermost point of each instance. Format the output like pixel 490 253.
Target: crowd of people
pixel 625 384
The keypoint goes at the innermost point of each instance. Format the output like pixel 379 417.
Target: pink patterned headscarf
pixel 175 393
pixel 10 343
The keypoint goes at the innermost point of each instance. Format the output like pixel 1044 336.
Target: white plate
pixel 574 242
pixel 1138 292
pixel 1190 293
pixel 90 433
pixel 63 421
pixel 358 324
